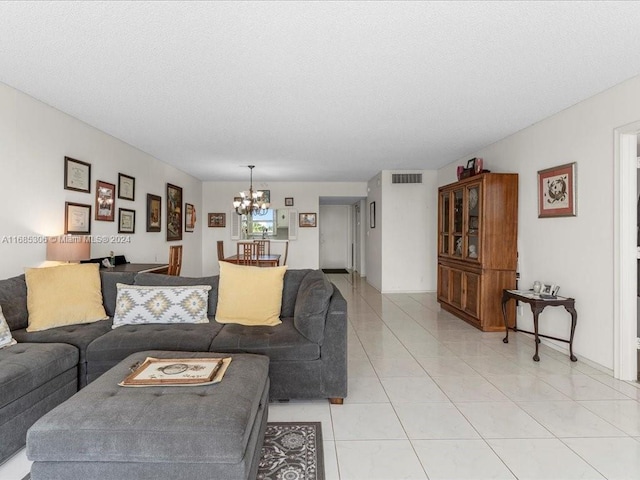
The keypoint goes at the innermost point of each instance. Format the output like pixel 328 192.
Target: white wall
pixel 409 238
pixel 373 240
pixel 303 252
pixel 574 252
pixel 402 248
pixel 34 139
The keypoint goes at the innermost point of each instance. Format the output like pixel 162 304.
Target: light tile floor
pixel 432 398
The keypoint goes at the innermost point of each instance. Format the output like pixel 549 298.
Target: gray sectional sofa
pixel 307 352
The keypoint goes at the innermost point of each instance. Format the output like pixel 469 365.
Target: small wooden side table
pixel 538 305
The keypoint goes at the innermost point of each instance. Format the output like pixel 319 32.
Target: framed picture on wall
pixel 217 220
pixel 189 217
pixel 105 201
pixel 557 191
pixel 77 218
pixel 288 202
pixel 174 213
pixel 77 175
pixel 126 187
pixel 126 220
pixel 307 220
pixel 372 215
pixel 154 213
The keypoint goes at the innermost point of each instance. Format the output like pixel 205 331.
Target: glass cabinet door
pixel 458 210
pixel 472 243
pixel 445 219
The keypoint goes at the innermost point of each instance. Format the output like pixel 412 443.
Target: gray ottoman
pixel 197 432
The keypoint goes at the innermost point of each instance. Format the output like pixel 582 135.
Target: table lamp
pixel 68 248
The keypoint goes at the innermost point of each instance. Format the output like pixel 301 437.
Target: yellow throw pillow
pixel 64 295
pixel 250 295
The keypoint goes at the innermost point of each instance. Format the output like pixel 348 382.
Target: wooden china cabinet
pixel 477 247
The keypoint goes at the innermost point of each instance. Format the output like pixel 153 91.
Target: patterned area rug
pixel 291 451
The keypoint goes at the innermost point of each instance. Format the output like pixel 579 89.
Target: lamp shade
pixel 68 248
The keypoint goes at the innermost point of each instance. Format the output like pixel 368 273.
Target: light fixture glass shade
pixel 250 203
pixel 68 248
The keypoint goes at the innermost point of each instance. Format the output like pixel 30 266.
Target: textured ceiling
pixel 318 91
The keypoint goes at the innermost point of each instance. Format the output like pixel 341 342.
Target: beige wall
pixel 34 139
pixel 574 252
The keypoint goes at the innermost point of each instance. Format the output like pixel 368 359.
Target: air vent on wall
pixel 406 178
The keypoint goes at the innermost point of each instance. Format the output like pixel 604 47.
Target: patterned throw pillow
pixel 6 339
pixel 138 305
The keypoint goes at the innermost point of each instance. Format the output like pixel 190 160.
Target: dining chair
pixel 286 252
pixel 247 253
pixel 220 250
pixel 175 260
pixel 264 247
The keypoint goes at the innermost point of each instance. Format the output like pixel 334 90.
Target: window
pixel 264 224
pixel 258 225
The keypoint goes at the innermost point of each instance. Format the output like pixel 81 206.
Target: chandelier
pixel 250 203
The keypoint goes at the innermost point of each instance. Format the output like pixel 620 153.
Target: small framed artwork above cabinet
pixel 477 247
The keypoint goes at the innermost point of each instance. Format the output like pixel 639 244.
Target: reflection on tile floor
pixel 432 398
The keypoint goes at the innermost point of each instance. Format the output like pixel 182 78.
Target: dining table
pixel 272 260
pixel 140 268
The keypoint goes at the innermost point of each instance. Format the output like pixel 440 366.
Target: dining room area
pixel 257 253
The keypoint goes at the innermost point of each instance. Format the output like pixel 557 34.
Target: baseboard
pixel 586 361
pixel 386 292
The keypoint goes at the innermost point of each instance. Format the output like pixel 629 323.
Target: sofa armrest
pixel 334 347
pixel 312 305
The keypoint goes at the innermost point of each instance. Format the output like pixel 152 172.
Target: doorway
pixel 638 256
pixel 625 312
pixel 335 237
pixel 340 233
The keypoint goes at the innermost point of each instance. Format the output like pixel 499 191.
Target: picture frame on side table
pixel 154 213
pixel 307 220
pixel 77 175
pixel 174 213
pixel 126 187
pixel 557 191
pixel 550 289
pixel 77 218
pixel 189 217
pixel 217 220
pixel 105 201
pixel 126 220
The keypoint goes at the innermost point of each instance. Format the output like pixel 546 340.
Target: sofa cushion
pixel 250 295
pixel 109 289
pixel 143 304
pixel 13 300
pixel 280 343
pixel 25 367
pixel 312 304
pixel 6 340
pixel 107 350
pixel 80 336
pixel 65 295
pixel 171 280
